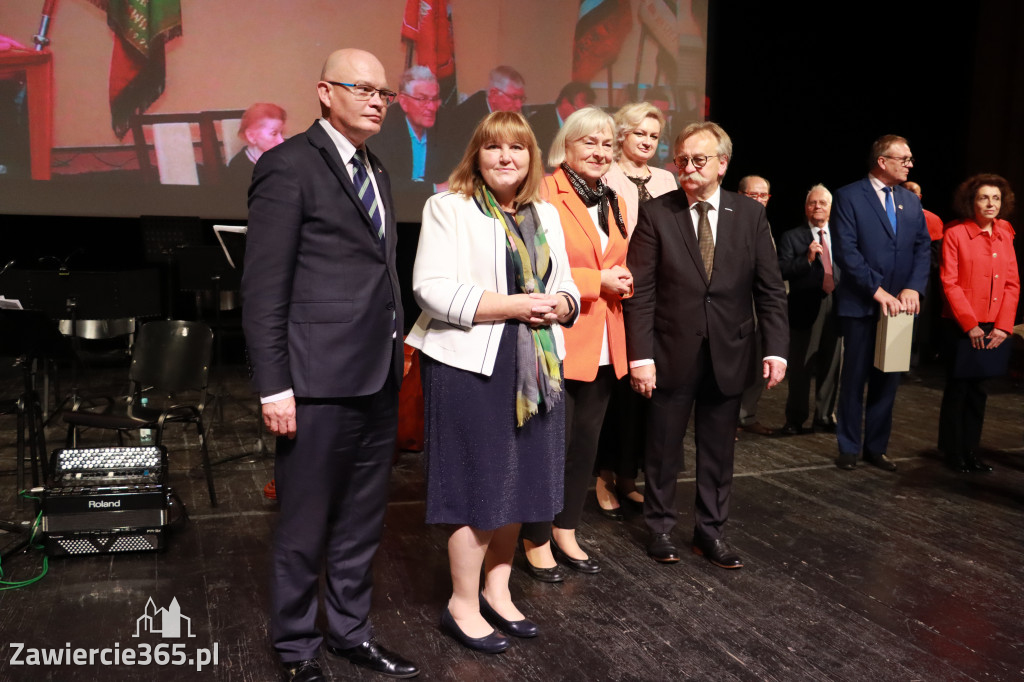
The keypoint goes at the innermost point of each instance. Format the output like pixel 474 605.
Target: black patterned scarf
pixel 603 197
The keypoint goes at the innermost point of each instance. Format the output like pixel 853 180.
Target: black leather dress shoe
pixel 847 461
pixel 975 466
pixel 824 426
pixel 717 552
pixel 588 565
pixel 957 464
pixel 516 628
pixel 661 549
pixel 493 643
pixel 373 656
pixel 303 671
pixel 880 461
pixel 791 430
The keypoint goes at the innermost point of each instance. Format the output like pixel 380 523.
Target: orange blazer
pixel 586 260
pixel 979 275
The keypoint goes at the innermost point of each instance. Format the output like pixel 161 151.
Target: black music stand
pixel 29 335
pixel 161 237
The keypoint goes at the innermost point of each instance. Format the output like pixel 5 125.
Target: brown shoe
pixel 758 428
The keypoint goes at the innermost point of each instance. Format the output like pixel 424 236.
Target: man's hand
pixel 774 371
pixel 279 417
pixel 813 250
pixel 911 301
pixel 643 379
pixel 890 304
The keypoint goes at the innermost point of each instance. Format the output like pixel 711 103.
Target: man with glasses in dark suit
pixel 883 248
pixel 322 316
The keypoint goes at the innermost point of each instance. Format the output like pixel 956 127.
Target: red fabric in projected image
pixel 601 30
pixel 137 68
pixel 427 25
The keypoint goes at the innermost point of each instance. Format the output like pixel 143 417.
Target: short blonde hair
pixel 499 126
pixel 580 123
pixel 630 116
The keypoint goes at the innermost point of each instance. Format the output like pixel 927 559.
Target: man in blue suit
pixel 882 247
pixel 322 316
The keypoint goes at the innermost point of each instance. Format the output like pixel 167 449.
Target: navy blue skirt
pixel 483 471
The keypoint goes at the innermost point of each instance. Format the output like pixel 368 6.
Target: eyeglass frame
pixel 693 160
pixel 422 100
pixel 905 161
pixel 515 98
pixel 757 195
pixel 386 96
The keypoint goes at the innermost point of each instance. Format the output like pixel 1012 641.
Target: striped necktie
pixel 365 190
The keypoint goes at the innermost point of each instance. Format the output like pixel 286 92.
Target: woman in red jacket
pixel 982 287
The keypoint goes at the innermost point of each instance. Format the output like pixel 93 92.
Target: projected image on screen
pixel 162 107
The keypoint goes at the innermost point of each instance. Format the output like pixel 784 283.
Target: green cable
pixel 15 584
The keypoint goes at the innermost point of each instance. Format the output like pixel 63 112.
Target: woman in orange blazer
pixel 594 224
pixel 982 286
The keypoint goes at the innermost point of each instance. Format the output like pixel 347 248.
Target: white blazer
pixel 461 254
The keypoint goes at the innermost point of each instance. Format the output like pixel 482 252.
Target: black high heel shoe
pixel 555 574
pixel 516 628
pixel 588 565
pixel 493 643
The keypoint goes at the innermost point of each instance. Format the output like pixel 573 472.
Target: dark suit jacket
pixel 393 147
pixel 805 292
pixel 544 121
pixel 674 308
pixel 868 252
pixel 321 296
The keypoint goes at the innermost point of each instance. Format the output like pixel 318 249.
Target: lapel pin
pixel 900 207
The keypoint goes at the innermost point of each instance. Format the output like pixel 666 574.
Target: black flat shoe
pixel 303 671
pixel 880 461
pixel 373 656
pixel 613 514
pixel 555 574
pixel 493 643
pixel 516 628
pixel 588 565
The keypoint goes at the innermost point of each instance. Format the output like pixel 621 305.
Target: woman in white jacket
pixel 493 280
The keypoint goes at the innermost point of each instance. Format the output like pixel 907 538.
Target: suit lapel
pixel 578 209
pixel 727 251
pixel 872 198
pixel 685 226
pixel 319 138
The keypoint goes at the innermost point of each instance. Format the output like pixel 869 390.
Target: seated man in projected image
pixel 408 143
pixel 506 91
pixel 547 119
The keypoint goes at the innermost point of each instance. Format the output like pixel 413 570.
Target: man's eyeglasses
pixel 698 161
pixel 364 93
pixel 515 98
pixel 423 100
pixel 755 195
pixel 904 160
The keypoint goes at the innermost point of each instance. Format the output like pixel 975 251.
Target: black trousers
pixel 715 419
pixel 962 414
pixel 623 434
pixel 332 487
pixel 586 403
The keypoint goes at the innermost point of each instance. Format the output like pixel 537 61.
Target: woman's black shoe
pixel 516 628
pixel 975 465
pixel 587 565
pixel 493 643
pixel 613 514
pixel 555 574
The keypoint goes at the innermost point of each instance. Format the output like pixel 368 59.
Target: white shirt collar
pixel 715 199
pixel 345 147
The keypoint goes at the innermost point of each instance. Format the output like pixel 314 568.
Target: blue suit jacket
pixel 870 254
pixel 320 291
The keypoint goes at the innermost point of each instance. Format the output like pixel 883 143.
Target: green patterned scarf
pixel 538 371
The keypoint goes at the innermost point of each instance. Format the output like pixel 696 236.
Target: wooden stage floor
pixel 861 575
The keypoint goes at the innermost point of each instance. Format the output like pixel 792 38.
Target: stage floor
pixel 861 575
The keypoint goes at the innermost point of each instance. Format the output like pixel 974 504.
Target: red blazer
pixel 979 275
pixel 586 260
